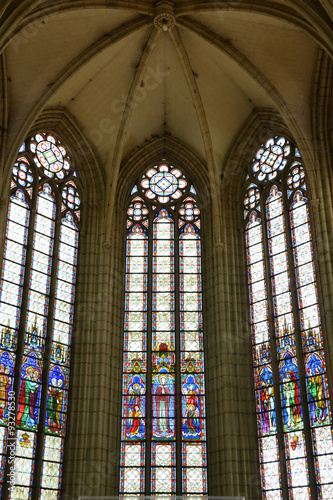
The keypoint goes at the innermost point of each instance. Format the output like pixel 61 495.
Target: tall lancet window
pixel 293 408
pixel 163 417
pixel 36 317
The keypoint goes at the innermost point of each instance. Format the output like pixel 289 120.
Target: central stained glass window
pixel 163 415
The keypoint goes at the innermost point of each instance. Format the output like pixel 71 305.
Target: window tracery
pixel 36 317
pixel 293 407
pixel 163 426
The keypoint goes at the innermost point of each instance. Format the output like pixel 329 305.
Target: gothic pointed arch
pixel 163 437
pixel 38 278
pixel 288 333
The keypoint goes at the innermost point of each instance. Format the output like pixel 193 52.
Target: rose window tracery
pixel 163 183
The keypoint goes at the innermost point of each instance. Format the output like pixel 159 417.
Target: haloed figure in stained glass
pixel 267 401
pixel 192 422
pixel 29 393
pixel 55 400
pixel 135 422
pixel 162 401
pixel 292 410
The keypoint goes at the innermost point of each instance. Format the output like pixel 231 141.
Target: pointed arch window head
pixel 293 407
pixel 163 417
pixel 36 317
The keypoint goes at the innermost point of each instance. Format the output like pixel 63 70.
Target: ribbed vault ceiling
pixel 126 81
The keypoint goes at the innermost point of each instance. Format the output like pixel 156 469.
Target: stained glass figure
pixel 163 215
pixel 163 389
pixel 40 158
pixel 277 225
pixel 317 387
pixel 266 400
pixel 134 406
pixel 29 396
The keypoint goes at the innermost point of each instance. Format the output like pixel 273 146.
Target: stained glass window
pixel 293 407
pixel 36 317
pixel 163 444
